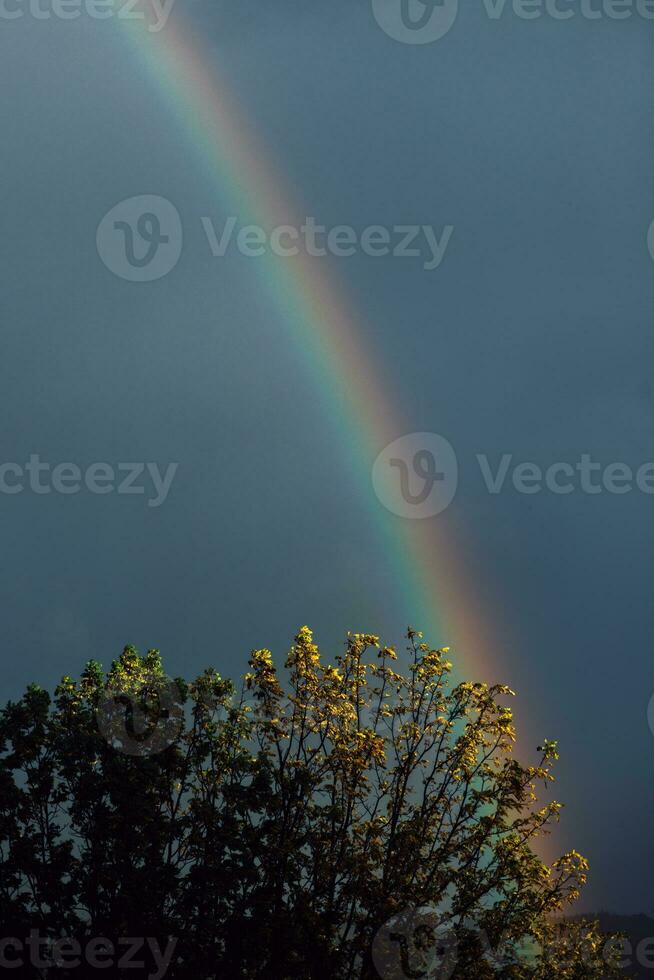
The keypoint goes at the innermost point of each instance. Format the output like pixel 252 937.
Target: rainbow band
pixel 431 583
pixel 323 328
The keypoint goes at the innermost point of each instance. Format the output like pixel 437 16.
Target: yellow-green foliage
pixel 277 827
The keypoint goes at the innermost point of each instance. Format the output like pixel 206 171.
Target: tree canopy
pixel 356 819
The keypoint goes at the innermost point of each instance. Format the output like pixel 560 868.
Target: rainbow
pixel 431 582
pixel 433 589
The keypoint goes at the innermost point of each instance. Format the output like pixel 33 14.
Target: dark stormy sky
pixel 534 337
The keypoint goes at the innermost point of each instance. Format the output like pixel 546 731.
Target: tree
pixel 351 820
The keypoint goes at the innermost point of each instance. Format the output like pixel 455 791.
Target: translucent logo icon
pixel 144 721
pixel 650 714
pixel 415 944
pixel 416 21
pixel 140 239
pixel 416 476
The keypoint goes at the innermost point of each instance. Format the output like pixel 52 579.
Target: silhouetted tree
pixel 336 821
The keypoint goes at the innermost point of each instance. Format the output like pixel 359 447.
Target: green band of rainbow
pixel 431 587
pixel 432 590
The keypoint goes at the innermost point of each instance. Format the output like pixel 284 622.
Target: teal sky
pixel 532 338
